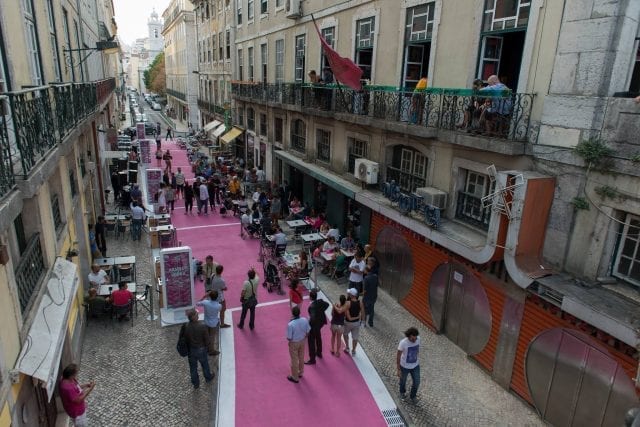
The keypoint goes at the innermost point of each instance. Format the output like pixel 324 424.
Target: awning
pixel 40 354
pixel 212 125
pixel 219 130
pixel 330 179
pixel 231 135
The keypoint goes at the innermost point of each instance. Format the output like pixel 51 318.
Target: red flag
pixel 344 70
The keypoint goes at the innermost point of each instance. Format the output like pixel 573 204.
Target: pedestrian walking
pixel 188 198
pixel 317 319
pixel 180 181
pixel 197 339
pixel 101 240
pixel 169 133
pixel 408 364
pixel 295 293
pixel 170 195
pixel 249 298
pixel 297 331
pixel 370 290
pixel 354 312
pixel 203 198
pixel 211 319
pixel 74 395
pixel 219 285
pixel 137 219
pixel 337 325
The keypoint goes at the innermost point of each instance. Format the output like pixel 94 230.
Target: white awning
pixel 212 125
pixel 40 354
pixel 219 131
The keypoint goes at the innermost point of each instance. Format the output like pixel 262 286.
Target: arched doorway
pixel 574 381
pixel 396 262
pixel 460 307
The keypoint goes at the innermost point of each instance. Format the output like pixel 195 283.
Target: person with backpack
pixel 317 319
pixel 249 298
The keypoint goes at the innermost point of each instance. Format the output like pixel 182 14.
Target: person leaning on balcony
pixel 417 100
pixel 472 110
pixel 497 108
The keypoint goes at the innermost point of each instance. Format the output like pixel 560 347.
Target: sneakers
pixel 293 380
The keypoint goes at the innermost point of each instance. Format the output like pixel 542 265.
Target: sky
pixel 132 15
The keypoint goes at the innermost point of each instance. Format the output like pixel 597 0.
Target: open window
pixel 365 30
pixel 504 29
pixel 418 31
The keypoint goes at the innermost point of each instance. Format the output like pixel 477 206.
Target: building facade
pixel 51 190
pixel 215 31
pixel 496 223
pixel 179 31
pixel 144 51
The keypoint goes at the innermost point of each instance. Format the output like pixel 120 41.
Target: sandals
pixel 346 350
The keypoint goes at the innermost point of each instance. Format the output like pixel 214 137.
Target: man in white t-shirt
pixel 356 272
pixel 97 277
pixel 408 363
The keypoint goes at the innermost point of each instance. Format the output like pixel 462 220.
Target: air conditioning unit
pixel 367 171
pixel 293 9
pixel 433 196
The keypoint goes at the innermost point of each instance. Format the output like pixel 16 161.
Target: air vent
pixel 550 295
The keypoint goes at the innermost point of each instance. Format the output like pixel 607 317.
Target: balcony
pixel 407 181
pixel 37 119
pixel 470 210
pixel 212 108
pixel 176 94
pixel 456 110
pixel 29 272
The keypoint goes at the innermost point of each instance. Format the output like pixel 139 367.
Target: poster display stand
pixel 178 287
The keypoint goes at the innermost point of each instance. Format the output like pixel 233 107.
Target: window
pixel 213 47
pixel 251 119
pixel 299 59
pixel 54 42
pixel 420 22
pixel 277 129
pixel 250 64
pixel 279 3
pixel 67 37
pixel 408 168
pixel 209 50
pixel 239 12
pixel 264 6
pixel 249 10
pixel 469 205
pixel 21 237
pixel 505 14
pixel 323 145
pixel 263 61
pixel 358 149
pixel 240 65
pixel 365 29
pixel 241 116
pixel 329 35
pixel 627 261
pixel 280 61
pixel 33 44
pixel 221 46
pixel 634 85
pixel 418 31
pixel 55 211
pixel 298 135
pixel 263 124
pixel 228 43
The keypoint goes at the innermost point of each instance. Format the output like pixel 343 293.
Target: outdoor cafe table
pixel 347 253
pixel 290 259
pixel 156 220
pixel 126 260
pixel 105 290
pixel 113 217
pixel 311 237
pixel 107 265
pixel 296 223
pixel 155 233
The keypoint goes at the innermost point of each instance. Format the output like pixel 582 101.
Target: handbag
pixel 182 347
pixel 252 301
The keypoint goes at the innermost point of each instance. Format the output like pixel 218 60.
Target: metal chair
pixel 280 250
pixel 125 273
pixel 143 299
pixel 110 226
pixel 124 228
pixel 119 311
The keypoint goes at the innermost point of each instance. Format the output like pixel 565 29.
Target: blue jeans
pixel 199 355
pixel 415 380
pixel 136 229
pixel 368 311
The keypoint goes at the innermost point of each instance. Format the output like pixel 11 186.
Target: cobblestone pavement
pixel 140 378
pixel 453 391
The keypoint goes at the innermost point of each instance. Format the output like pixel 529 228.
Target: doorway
pixel 502 55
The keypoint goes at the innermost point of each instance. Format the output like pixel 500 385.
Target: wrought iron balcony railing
pixel 497 114
pixel 36 119
pixel 29 272
pixel 406 181
pixel 177 94
pixel 469 209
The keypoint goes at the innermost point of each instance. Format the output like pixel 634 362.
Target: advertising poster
pixel 177 278
pixel 145 151
pixel 153 179
pixel 140 131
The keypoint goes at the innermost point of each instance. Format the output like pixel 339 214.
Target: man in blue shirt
pixel 297 331
pixel 211 319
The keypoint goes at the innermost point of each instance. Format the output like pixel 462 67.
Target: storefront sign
pixel 177 277
pixel 153 178
pixel 140 131
pixel 145 151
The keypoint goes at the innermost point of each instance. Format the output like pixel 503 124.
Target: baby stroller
pixel 199 270
pixel 272 278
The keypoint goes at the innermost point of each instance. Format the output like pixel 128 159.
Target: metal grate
pixel 393 418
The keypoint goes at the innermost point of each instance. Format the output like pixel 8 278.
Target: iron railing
pixel 7 177
pixel 39 119
pixel 177 94
pixel 406 181
pixel 497 114
pixel 469 209
pixel 29 272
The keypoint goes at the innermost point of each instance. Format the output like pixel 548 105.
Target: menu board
pixel 153 178
pixel 177 278
pixel 140 131
pixel 145 151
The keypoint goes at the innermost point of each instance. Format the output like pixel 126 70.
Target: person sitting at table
pixel 300 268
pixel 121 297
pixel 96 304
pixel 295 203
pixel 234 187
pixel 330 248
pixel 279 237
pixel 347 243
pixel 334 232
pixel 97 277
pixel 256 195
pixel 248 225
pixel 324 227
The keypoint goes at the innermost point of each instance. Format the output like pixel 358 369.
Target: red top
pixel 69 391
pixel 121 297
pixel 296 295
